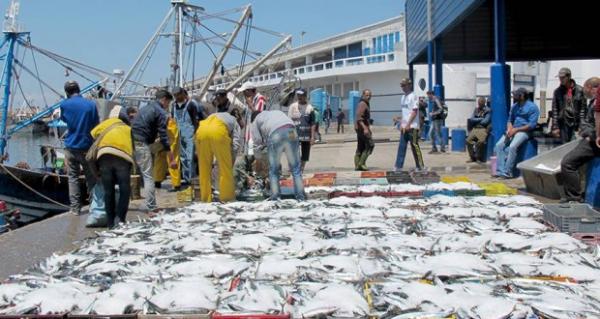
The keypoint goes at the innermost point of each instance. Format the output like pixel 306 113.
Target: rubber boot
pixel 356 162
pixel 362 165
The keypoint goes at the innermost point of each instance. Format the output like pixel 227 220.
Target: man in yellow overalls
pixel 217 137
pixel 161 158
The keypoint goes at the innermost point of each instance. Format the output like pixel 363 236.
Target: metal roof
pixel 535 30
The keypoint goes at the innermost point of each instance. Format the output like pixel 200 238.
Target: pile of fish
pixel 467 257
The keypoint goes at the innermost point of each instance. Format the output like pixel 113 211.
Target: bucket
pixel 459 137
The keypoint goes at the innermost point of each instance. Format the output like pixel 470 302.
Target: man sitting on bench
pixel 522 120
pixel 585 151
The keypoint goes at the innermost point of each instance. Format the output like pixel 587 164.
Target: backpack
pixel 444 113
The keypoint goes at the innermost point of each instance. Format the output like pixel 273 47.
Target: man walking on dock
pixel 408 124
pixel 81 117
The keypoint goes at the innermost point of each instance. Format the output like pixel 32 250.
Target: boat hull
pixel 53 186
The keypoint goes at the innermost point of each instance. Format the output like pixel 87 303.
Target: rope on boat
pixel 32 189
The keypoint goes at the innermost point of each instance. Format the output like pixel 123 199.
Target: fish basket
pixel 399 179
pixel 495 189
pixel 250 316
pixel 573 218
pixel 135 187
pixel 185 195
pixel 433 192
pixel 374 181
pixel 325 175
pixel 455 179
pixel 588 238
pixel 319 181
pixel 347 181
pixel 373 174
pixel 469 192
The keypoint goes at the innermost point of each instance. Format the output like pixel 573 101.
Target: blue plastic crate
pixel 429 193
pixel 374 181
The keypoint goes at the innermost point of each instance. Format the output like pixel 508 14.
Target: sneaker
pixel 471 161
pixel 443 150
pixel 433 152
pixel 75 212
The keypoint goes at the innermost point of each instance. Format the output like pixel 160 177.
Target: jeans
pixel 115 171
pixel 327 124
pixel 436 135
pixel 340 126
pixel 284 140
pixel 187 156
pixel 584 152
pixel 410 136
pixel 143 159
pixel 75 161
pixel 506 153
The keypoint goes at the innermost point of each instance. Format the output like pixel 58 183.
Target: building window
pixel 337 89
pixel 391 42
pixel 340 53
pixel 397 37
pixel 384 43
pixel 355 49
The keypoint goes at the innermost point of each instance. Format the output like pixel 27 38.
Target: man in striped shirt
pixel 254 102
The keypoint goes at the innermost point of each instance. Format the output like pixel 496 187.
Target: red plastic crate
pixel 325 175
pixel 250 316
pixel 344 194
pixel 588 238
pixel 374 174
pixel 406 194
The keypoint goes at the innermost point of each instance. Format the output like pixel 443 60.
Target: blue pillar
pixel 438 89
pixel 500 75
pixel 430 72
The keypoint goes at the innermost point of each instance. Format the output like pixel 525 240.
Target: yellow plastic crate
pixel 455 179
pixel 495 189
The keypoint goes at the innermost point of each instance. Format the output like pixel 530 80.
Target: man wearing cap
pixel 187 114
pixel 81 117
pixel 151 122
pixel 522 120
pixel 568 107
pixel 408 123
pixel 587 148
pixel 303 115
pixel 227 102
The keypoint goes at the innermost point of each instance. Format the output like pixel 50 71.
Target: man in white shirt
pixel 408 124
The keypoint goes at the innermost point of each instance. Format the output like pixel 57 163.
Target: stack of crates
pixel 398 177
pixel 373 178
pixel 426 177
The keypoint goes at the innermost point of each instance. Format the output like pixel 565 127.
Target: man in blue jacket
pixel 81 117
pixel 151 122
pixel 522 120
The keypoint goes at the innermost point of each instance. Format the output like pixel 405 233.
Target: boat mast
pixel 11 35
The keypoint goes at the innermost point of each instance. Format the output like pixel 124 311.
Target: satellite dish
pixel 422 84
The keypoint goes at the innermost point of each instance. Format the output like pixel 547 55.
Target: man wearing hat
pixel 151 122
pixel 81 117
pixel 303 115
pixel 522 120
pixel 254 102
pixel 187 114
pixel 568 107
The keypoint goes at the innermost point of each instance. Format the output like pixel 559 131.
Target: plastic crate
pixel 469 192
pixel 319 181
pixel 374 181
pixel 573 218
pixel 588 238
pixel 325 175
pixel 344 194
pixel 455 179
pixel 407 194
pixel 373 174
pixel 250 316
pixel 429 193
pixel 495 189
pixel 422 178
pixel 347 181
pixel 397 173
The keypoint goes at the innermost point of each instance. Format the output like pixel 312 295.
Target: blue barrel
pixel 445 135
pixel 592 192
pixel 528 150
pixel 459 137
pixel 353 99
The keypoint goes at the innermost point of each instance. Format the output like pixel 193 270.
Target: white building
pixel 374 57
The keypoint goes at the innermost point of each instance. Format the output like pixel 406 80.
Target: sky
pixel 110 34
